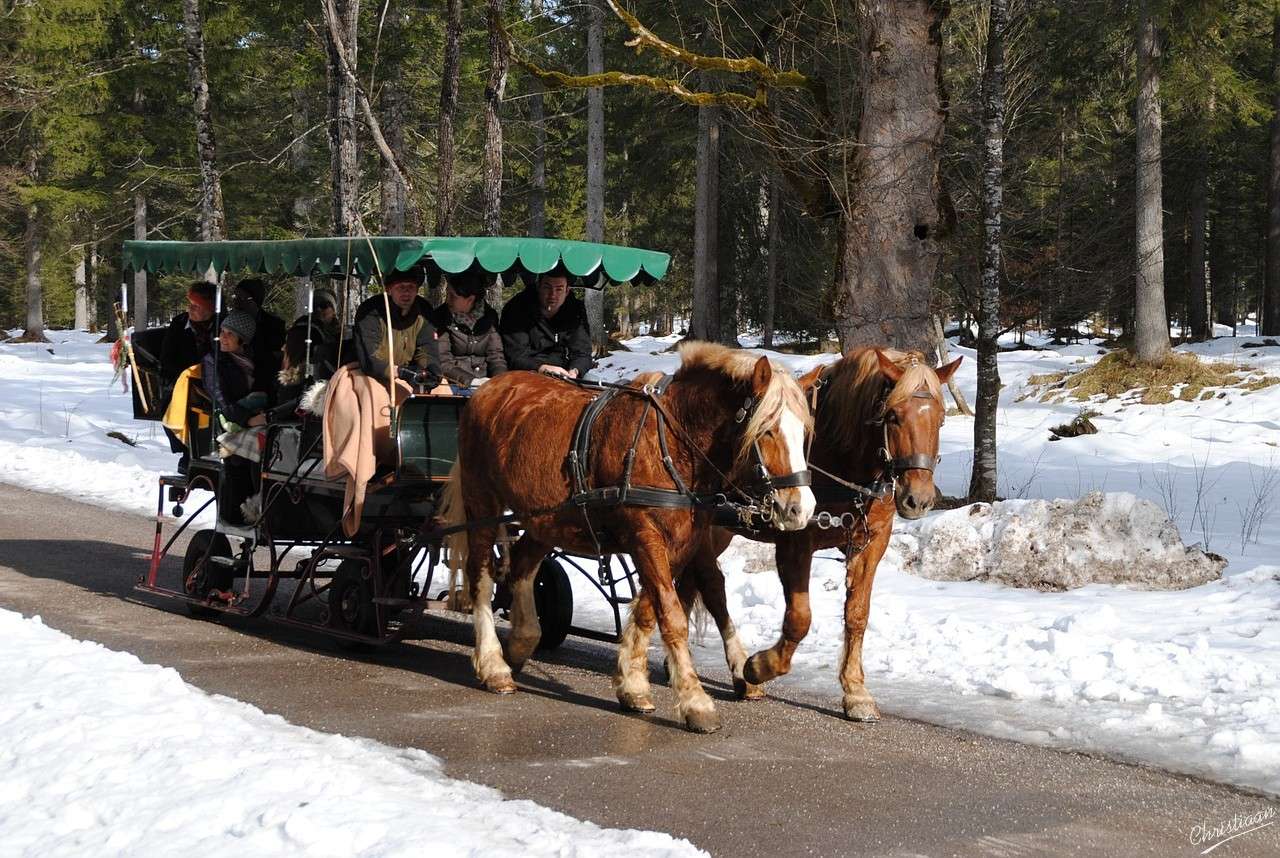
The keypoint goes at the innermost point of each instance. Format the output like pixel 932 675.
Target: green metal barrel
pixel 426 434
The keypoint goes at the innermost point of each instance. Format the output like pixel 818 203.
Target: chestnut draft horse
pixel 728 414
pixel 877 413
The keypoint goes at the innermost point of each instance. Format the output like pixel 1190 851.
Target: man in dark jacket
pixel 467 331
pixel 190 334
pixel 413 337
pixel 249 296
pixel 545 329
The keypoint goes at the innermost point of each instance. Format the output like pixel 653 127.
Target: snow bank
pixel 104 755
pixel 1113 538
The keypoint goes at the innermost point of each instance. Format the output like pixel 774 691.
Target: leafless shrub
pixel 1264 482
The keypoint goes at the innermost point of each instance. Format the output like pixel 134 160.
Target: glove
pixel 417 376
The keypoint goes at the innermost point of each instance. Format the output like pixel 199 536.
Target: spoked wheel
pixel 553 599
pixel 351 607
pixel 205 568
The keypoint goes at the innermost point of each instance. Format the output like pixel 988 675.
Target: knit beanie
pixel 241 324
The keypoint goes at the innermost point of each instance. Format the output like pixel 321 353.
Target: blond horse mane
pixel 860 383
pixel 782 394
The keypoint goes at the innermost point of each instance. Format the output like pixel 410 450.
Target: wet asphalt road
pixel 784 776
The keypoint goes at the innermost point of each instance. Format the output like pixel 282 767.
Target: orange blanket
pixel 357 435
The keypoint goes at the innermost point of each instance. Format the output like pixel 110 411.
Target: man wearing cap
pixel 413 337
pixel 544 328
pixel 467 330
pixel 190 334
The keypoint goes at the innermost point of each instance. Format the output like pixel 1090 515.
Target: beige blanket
pixel 357 435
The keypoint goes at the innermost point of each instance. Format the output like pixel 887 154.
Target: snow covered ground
pixel 1188 680
pixel 105 755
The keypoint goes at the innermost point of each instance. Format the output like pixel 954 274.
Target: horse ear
pixel 945 372
pixel 890 369
pixel 810 378
pixel 760 377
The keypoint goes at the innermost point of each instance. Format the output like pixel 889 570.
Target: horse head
pixel 769 422
pixel 909 419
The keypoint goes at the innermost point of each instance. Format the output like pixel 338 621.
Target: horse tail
pixel 453 512
pixel 699 618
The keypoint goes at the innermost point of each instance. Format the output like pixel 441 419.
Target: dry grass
pixel 1178 377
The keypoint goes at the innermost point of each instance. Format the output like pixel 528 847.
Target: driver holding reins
pixel 413 338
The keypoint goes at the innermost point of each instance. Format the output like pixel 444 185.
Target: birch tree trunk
pixel 538 169
pixel 342 122
pixel 982 482
pixel 595 166
pixel 888 241
pixel 140 277
pixel 705 321
pixel 82 291
pixel 1270 321
pixel 448 108
pixel 1197 282
pixel 212 218
pixel 92 284
pixel 1151 322
pixel 774 251
pixel 498 62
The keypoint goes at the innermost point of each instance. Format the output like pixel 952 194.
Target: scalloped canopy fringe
pixel 367 257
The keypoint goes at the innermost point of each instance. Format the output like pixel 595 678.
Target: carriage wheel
pixel 553 599
pixel 351 607
pixel 200 574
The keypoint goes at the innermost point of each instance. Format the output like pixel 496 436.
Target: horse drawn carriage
pixel 295 563
pixel 664 470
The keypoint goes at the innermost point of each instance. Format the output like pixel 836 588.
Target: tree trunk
pixel 34 236
pixel 140 277
pixel 704 323
pixel 1270 320
pixel 538 170
pixel 1197 283
pixel 82 291
pixel 212 218
pixel 888 242
pixel 394 196
pixel 1223 264
pixel 775 263
pixel 92 283
pixel 342 123
pixel 448 108
pixel 982 481
pixel 1151 322
pixel 498 61
pixel 595 166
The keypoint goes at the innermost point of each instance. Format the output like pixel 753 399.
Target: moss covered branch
pixel 560 80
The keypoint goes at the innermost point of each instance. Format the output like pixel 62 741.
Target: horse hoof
pixel 862 711
pixel 501 685
pixel 642 705
pixel 746 691
pixel 702 722
pixel 753 672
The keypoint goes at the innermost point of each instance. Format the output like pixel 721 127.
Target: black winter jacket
pixel 470 346
pixel 412 333
pixel 183 346
pixel 530 341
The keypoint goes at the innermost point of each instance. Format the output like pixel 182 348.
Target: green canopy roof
pixel 356 255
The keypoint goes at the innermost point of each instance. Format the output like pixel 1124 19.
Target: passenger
pixel 544 329
pixel 268 341
pixel 414 351
pixel 325 329
pixel 232 387
pixel 190 334
pixel 467 330
pixel 325 333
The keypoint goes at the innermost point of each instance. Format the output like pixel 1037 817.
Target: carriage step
pixel 389 602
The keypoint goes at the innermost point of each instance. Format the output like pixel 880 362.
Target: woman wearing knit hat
pixel 231 385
